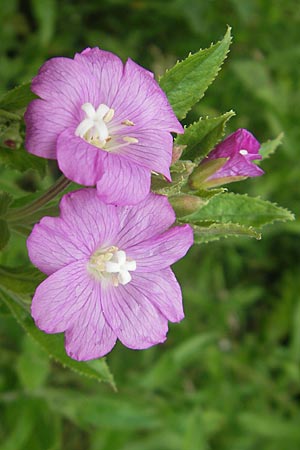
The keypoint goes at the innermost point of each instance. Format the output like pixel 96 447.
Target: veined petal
pixel 90 222
pixel 241 139
pixel 238 165
pixel 163 291
pixel 163 250
pixel 51 245
pixel 43 125
pixel 69 300
pixel 60 299
pixel 104 71
pixel 122 182
pixel 134 319
pixel 78 160
pixel 141 100
pixel 90 337
pixel 138 224
pixel 152 151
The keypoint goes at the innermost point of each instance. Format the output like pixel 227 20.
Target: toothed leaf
pixel 239 209
pixel 203 136
pixel 186 82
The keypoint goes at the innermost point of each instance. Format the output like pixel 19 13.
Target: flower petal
pixel 85 224
pixel 90 337
pixel 149 218
pixel 134 319
pixel 241 139
pixel 239 166
pixel 78 160
pixel 104 70
pixel 69 300
pixel 161 251
pixel 61 81
pixel 51 245
pixel 162 290
pixel 152 151
pixel 141 100
pixel 122 182
pixel 60 299
pixel 43 125
pixel 90 222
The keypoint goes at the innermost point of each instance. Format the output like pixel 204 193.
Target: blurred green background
pixel 228 377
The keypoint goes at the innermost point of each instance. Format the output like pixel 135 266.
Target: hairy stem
pixel 27 210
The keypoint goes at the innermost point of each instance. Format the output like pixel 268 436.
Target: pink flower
pixel 240 148
pixel 106 123
pixel 109 274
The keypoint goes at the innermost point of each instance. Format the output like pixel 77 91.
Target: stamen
pixel 127 122
pixel 109 115
pixel 130 140
pixel 112 265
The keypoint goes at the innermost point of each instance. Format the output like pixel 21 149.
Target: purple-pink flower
pixel 240 148
pixel 109 273
pixel 106 123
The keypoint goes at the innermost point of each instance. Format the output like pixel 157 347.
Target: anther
pixel 109 115
pixel 127 122
pixel 130 140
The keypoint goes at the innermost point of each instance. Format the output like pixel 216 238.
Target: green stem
pixel 27 210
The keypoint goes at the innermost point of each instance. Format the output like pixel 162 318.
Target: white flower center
pixel 94 128
pixel 243 152
pixel 111 264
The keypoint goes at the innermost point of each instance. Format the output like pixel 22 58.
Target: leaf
pixel 20 280
pixel 180 172
pixel 5 201
pixel 21 160
pixel 203 136
pixel 54 343
pixel 186 82
pixel 216 231
pixel 269 147
pixel 17 98
pixel 239 209
pixel 4 233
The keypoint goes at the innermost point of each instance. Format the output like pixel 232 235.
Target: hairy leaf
pixel 202 136
pixel 239 209
pixel 186 82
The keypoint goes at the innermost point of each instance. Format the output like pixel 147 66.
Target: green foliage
pixel 239 209
pixel 207 232
pixel 4 233
pixel 202 136
pixel 17 98
pixel 21 160
pixel 228 377
pixel 186 83
pixel 268 148
pixel 54 344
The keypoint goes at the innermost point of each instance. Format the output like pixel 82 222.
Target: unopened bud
pixel 185 204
